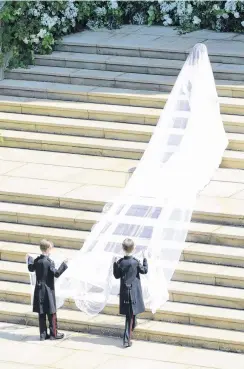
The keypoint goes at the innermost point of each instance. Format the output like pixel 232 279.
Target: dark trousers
pixel 130 324
pixel 52 318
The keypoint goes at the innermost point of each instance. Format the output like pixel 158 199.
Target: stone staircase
pixel 72 127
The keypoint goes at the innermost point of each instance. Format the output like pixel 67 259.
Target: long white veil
pixel 156 205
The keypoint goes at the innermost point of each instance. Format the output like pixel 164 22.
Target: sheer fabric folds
pixel 155 208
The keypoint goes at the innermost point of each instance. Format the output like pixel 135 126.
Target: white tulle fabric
pixel 155 208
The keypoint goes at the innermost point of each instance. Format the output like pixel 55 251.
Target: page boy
pixel 44 302
pixel 128 269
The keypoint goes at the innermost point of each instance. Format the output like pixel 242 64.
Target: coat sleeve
pixel 143 268
pixel 117 271
pixel 31 264
pixel 57 272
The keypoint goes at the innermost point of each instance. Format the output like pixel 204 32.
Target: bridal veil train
pixel 155 207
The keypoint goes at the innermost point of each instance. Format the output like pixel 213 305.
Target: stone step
pixel 207 209
pixel 193 252
pixel 48 216
pixel 183 334
pixel 233 159
pixel 218 235
pixel 11 158
pixel 102 129
pixel 24 186
pixel 207 295
pixel 180 292
pixel 104 112
pixel 111 113
pixel 212 254
pixel 73 144
pixel 171 48
pixel 67 238
pixel 198 232
pixel 76 127
pixel 89 145
pixel 93 78
pixel 132 64
pixel 94 94
pixel 16 251
pixel 176 312
pixel 110 79
pixel 172 311
pixel 208 274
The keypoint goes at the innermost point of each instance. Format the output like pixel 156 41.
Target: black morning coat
pixel 128 269
pixel 44 294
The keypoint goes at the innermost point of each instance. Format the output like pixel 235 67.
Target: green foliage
pixel 30 27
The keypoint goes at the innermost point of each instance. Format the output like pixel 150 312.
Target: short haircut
pixel 128 245
pixel 45 245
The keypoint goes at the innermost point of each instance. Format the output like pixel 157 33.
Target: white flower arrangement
pixel 114 4
pixel 139 18
pixel 50 20
pixel 196 20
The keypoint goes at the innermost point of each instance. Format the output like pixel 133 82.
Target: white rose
pixel 42 33
pixel 237 15
pixel 216 7
pixel 196 20
pixel 242 23
pixel 114 5
pixel 26 41
pixel 36 13
pixel 189 9
pixel 230 6
pixel 225 16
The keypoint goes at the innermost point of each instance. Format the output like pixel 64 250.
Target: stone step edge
pixel 143 115
pixel 33 234
pixel 98 125
pixel 190 251
pixel 35 121
pixel 120 81
pixel 79 124
pixel 154 331
pixel 154 49
pixel 129 61
pixel 79 218
pixel 185 312
pixel 180 292
pixel 82 141
pixel 23 199
pixel 131 150
pixel 197 272
pixel 236 141
pixel 119 76
pixel 92 93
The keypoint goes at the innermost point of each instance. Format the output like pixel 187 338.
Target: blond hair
pixel 128 245
pixel 45 245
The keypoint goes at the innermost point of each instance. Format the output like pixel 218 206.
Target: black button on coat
pixel 44 295
pixel 128 269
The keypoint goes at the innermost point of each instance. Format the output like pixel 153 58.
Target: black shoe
pixel 127 344
pixel 59 336
pixel 44 337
